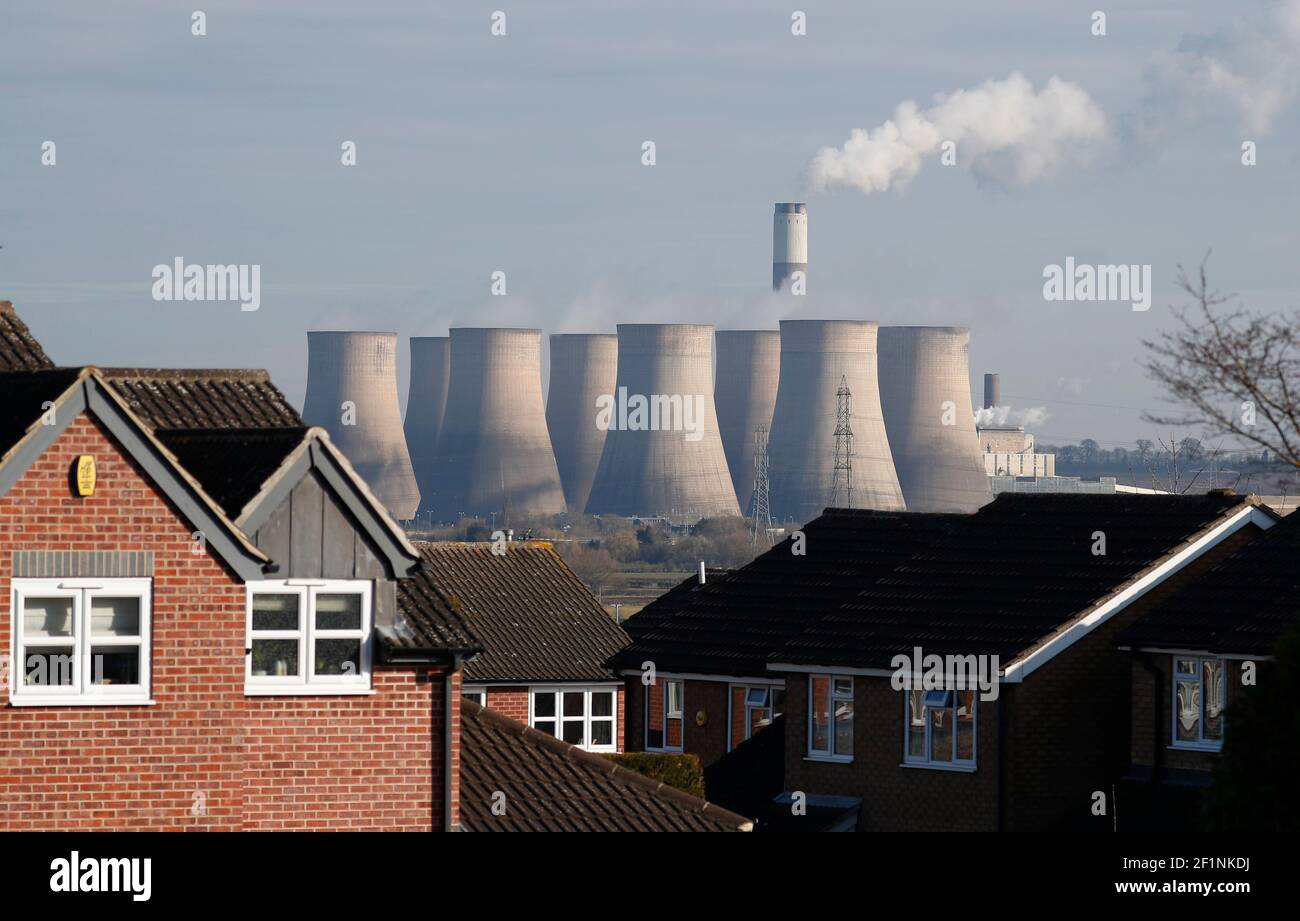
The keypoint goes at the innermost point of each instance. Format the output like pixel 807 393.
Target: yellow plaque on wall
pixel 85 475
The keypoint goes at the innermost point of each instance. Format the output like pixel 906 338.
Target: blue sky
pixel 522 153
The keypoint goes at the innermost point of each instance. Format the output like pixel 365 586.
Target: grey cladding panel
pixel 338 555
pixel 308 502
pixel 274 537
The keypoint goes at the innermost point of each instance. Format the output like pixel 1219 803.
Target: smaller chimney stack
pixel 702 572
pixel 992 391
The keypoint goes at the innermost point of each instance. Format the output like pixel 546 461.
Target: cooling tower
pixel 352 394
pixel 925 391
pixel 494 450
pixel 583 368
pixel 748 365
pixel 815 356
pixel 663 454
pixel 992 391
pixel 789 242
pixel 426 404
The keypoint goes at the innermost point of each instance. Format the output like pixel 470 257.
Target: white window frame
pixel 769 689
pixel 1200 743
pixel 956 764
pixel 307 681
pixel 476 694
pixel 680 713
pixel 83 691
pixel 587 718
pixel 829 753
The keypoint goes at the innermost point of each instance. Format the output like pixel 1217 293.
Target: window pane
pixel 546 726
pixel 758 718
pixel 338 612
pixel 1187 699
pixel 275 657
pixel 966 725
pixel 574 703
pixel 940 735
pixel 114 616
pixel 115 665
pixel 47 617
pixel 674 691
pixel 1214 687
pixel 338 656
pixel 544 705
pixel 1186 666
pixel 573 733
pixel 602 732
pixel 916 724
pixel 756 697
pixel 819 707
pixel 602 703
pixel 844 727
pixel 778 702
pixel 49 666
pixel 275 612
pixel 674 733
pixel 476 696
pixel 654 719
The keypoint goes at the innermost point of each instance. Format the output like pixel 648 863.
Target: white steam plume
pixel 999 416
pixel 1249 68
pixel 1005 132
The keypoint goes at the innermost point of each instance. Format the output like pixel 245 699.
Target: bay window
pixel 308 637
pixel 584 717
pixel 1199 699
pixel 940 727
pixel 830 717
pixel 80 641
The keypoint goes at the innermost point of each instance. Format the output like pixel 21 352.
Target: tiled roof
pixel 1242 605
pixel 19 350
pixel 232 464
pixel 534 617
pixel 23 395
pixel 426 620
pixel 872 584
pixel 197 398
pixel 550 785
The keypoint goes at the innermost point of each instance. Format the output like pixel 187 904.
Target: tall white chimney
pixel 789 242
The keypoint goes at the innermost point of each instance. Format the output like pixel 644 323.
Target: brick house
pixel 200 624
pixel 1022 579
pixel 1191 655
pixel 545 638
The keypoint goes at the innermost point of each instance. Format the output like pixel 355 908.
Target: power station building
pixel 816 357
pixel 748 369
pixel 925 394
pixel 494 451
pixel 584 367
pixel 663 454
pixel 789 243
pixel 352 394
pixel 426 405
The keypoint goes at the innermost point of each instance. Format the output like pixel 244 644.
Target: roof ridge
pixel 251 374
pixel 599 763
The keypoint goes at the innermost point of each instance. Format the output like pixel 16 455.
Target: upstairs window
pixel 1200 697
pixel 664 705
pixel 80 641
pixel 830 717
pixel 752 708
pixel 308 638
pixel 940 727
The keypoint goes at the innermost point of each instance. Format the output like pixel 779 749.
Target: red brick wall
pixel 894 798
pixel 701 699
pixel 512 701
pixel 257 762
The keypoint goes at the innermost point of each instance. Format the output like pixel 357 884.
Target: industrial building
pixel 789 243
pixel 748 369
pixel 494 451
pixel 352 394
pixel 426 405
pixel 668 459
pixel 584 367
pixel 817 356
pixel 925 394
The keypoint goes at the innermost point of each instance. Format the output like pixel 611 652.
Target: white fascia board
pixel 1021 668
